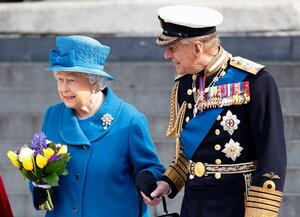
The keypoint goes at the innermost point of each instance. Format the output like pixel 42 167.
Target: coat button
pixel 217 132
pixel 187 119
pixel 77 176
pixel 217 147
pixel 190 106
pixel 219 117
pixel 218 161
pixel 218 175
pixel 189 92
pixel 74 208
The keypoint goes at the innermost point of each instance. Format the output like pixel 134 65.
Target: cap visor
pixel 164 41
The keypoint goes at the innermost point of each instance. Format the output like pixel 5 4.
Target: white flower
pixel 25 153
pixel 232 150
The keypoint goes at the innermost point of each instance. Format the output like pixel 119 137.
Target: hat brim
pixel 80 69
pixel 164 40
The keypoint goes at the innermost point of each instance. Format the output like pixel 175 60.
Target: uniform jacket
pixel 259 131
pixel 103 161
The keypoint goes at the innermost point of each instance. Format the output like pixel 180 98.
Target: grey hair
pixel 96 79
pixel 93 79
pixel 209 41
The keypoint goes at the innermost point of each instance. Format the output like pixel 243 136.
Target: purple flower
pixel 18 150
pixel 38 141
pixel 54 158
pixel 36 152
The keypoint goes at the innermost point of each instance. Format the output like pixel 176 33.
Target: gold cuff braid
pixel 263 202
pixel 177 171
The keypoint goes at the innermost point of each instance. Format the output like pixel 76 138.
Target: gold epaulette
pixel 177 171
pixel 263 201
pixel 246 65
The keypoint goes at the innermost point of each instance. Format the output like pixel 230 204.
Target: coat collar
pixel 69 127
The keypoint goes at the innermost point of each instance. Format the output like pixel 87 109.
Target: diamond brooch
pixel 107 119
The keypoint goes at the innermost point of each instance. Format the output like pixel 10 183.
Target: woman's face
pixel 74 89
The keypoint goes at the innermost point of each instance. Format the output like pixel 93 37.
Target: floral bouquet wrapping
pixel 42 162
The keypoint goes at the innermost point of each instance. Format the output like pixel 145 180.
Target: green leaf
pixel 66 172
pixel 28 174
pixel 52 179
pixel 52 146
pixel 57 167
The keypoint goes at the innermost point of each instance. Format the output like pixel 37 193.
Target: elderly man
pixel 227 120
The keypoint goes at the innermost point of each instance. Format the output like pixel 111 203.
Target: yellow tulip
pixel 48 152
pixel 27 163
pixel 63 149
pixel 13 158
pixel 41 161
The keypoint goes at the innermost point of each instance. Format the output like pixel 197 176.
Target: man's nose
pixel 167 54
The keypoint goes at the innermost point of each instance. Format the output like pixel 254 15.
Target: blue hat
pixel 79 54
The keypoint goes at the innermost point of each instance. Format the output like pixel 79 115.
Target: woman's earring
pixel 93 91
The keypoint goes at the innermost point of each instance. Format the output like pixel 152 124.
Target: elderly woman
pixel 111 149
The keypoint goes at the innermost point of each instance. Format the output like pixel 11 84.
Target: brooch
pixel 107 119
pixel 232 149
pixel 230 122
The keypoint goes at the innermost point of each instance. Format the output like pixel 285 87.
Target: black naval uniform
pixel 258 134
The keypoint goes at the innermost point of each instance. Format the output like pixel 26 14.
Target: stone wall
pixel 266 32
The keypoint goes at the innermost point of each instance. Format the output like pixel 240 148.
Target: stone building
pixel 264 31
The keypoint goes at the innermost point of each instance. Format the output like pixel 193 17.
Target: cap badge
pixel 232 149
pixel 230 122
pixel 107 119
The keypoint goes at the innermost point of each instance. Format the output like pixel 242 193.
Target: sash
pixel 196 130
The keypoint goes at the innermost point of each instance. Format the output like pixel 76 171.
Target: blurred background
pixel 263 31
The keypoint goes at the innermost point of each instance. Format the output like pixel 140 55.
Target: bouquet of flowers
pixel 42 162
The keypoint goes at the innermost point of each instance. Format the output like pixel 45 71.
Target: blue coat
pixel 103 163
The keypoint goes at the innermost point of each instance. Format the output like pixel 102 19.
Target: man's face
pixel 183 56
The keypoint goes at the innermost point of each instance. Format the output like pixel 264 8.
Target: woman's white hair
pixel 96 79
pixel 93 79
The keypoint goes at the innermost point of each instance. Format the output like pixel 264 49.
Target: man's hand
pixel 162 189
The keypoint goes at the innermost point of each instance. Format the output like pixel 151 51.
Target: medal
pixel 232 150
pixel 230 122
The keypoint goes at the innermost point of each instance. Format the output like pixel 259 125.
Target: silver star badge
pixel 232 149
pixel 107 119
pixel 230 122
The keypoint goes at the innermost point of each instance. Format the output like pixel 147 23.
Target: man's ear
pixel 198 46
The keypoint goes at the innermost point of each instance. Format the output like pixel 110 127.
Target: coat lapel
pixel 70 129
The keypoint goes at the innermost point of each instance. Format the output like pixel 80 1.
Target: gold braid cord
pixel 171 131
pixel 263 202
pixel 178 170
pixel 176 118
pixel 178 127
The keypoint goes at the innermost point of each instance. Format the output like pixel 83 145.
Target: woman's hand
pixel 162 189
